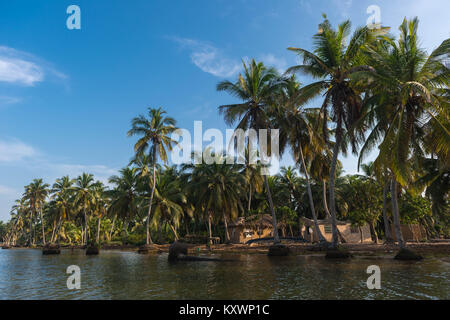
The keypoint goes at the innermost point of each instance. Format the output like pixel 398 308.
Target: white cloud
pixel 7 191
pixel 17 67
pixel 7 100
pixel 209 58
pixel 15 150
pixel 100 172
pixel 272 61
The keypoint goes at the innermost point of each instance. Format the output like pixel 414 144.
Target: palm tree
pixel 62 196
pixel 155 139
pixel 298 132
pixel 370 173
pixel 409 95
pixel 169 202
pixel 100 205
pixel 253 177
pixel 36 193
pixel 84 200
pixel 125 196
pixel 334 61
pixel 257 88
pixel 217 188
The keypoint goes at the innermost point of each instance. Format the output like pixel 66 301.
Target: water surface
pixel 27 274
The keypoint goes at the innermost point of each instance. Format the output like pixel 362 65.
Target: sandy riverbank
pixel 429 248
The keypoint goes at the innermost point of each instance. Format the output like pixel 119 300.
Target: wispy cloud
pixel 15 67
pixel 15 150
pixel 7 100
pixel 271 60
pixel 7 191
pixel 18 67
pixel 209 58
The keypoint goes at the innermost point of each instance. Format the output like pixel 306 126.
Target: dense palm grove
pixel 375 92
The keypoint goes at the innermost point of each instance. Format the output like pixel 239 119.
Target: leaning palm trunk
pixel 86 233
pixel 227 234
pixel 98 230
pixel 387 227
pixel 43 230
pixel 311 202
pixel 373 232
pixel 112 227
pixel 249 198
pixel 276 238
pixel 55 225
pixel 327 212
pixel 324 196
pixel 149 213
pixel 398 231
pixel 336 148
pixel 175 234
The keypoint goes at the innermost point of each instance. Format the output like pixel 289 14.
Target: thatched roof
pixel 255 221
pixel 310 223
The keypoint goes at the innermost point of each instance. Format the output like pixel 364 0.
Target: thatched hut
pixel 411 232
pixel 251 228
pixel 351 234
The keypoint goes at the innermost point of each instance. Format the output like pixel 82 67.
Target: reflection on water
pixel 27 274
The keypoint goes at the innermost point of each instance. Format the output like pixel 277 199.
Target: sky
pixel 67 97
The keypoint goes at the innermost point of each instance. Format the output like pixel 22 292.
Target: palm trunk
pixel 98 230
pixel 86 233
pixel 55 225
pixel 42 227
pixel 249 199
pixel 112 227
pixel 324 196
pixel 174 231
pixel 373 232
pixel 360 234
pixel 398 231
pixel 209 228
pixel 147 224
pixel 276 238
pixel 336 149
pixel 387 227
pixel 31 227
pixel 310 197
pixel 227 234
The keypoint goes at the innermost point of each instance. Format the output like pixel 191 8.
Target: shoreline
pixel 358 249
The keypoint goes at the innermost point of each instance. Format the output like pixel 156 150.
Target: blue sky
pixel 67 96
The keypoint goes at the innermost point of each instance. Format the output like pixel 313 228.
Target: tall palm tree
pixel 84 199
pixel 410 94
pixel 217 188
pixel 101 205
pixel 36 193
pixel 155 139
pixel 62 196
pixel 334 61
pixel 257 87
pixel 297 131
pixel 253 177
pixel 169 202
pixel 125 196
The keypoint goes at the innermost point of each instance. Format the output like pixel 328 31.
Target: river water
pixel 27 274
